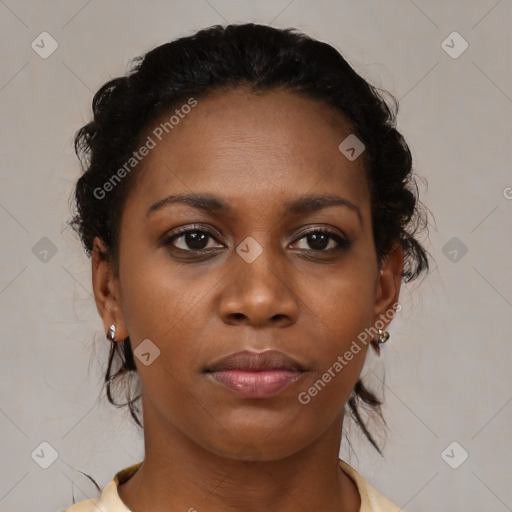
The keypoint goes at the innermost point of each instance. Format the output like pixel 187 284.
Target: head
pixel 245 188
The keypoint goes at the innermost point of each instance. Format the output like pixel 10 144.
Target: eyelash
pixel 343 243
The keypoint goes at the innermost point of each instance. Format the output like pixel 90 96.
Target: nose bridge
pixel 257 290
pixel 257 266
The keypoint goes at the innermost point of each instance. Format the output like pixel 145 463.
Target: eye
pixel 196 240
pixel 191 240
pixel 319 240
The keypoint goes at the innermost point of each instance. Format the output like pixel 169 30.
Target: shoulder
pixel 371 499
pixel 109 501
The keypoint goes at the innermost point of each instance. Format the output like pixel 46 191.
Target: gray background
pixel 447 362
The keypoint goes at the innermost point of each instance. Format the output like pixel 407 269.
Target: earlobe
pixel 105 290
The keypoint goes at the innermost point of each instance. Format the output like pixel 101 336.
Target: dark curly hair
pixel 264 59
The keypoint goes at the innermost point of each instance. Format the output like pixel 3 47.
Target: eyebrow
pixel 211 203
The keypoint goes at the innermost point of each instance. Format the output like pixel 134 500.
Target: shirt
pixel 109 501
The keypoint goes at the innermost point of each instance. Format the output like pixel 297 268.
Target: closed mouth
pixel 250 361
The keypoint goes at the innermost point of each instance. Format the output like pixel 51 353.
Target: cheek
pixel 339 354
pixel 344 301
pixel 340 350
pixel 157 309
pixel 340 310
pixel 158 306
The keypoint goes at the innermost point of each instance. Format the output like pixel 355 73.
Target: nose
pixel 259 294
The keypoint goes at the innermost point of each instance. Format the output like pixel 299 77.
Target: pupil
pixel 196 240
pixel 314 241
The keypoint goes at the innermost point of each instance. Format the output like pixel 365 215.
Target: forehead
pixel 245 145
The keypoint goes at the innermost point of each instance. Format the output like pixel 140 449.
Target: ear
pixel 106 290
pixel 388 284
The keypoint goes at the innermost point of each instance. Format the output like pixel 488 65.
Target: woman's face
pixel 248 277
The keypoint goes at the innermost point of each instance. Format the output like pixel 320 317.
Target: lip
pixel 256 374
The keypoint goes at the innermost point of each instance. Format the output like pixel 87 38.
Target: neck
pixel 180 474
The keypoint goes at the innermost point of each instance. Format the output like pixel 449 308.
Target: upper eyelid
pixel 192 228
